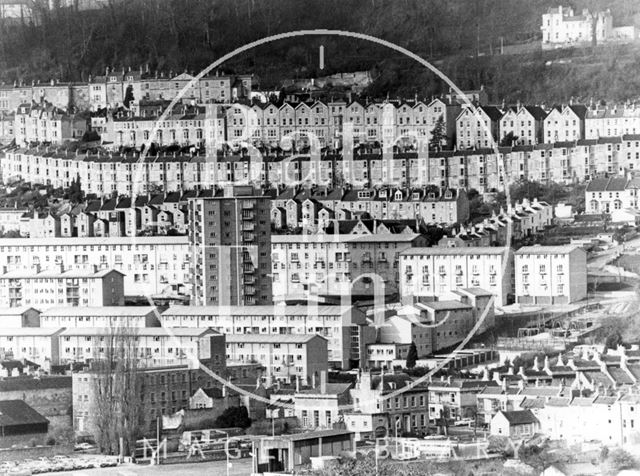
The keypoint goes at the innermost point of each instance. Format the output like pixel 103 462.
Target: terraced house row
pixel 447 122
pixel 481 169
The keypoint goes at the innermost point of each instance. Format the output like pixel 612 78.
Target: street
pixel 217 468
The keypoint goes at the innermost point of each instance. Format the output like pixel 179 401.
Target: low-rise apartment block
pixel 151 265
pixel 156 346
pixel 305 266
pixel 39 345
pixel 550 274
pixel 344 327
pixel 285 357
pixel 59 288
pixel 132 317
pixel 431 272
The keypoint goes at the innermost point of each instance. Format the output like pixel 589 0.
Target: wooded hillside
pixel 179 35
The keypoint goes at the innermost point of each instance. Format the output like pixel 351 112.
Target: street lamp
pixel 226 448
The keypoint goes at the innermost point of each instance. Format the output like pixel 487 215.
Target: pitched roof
pixel 536 111
pixel 331 389
pixel 145 331
pixel 534 402
pixel 15 311
pixel 17 412
pixel 14 384
pixel 475 291
pixel 611 184
pixel 547 250
pixel 520 417
pixel 99 311
pixel 579 110
pixel 261 310
pixel 492 112
pixel 446 305
pixel 472 250
pixel 317 434
pixel 272 339
pixel 71 273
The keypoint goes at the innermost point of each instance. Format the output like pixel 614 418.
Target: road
pixel 241 467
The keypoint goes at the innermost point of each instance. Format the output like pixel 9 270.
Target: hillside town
pixel 199 272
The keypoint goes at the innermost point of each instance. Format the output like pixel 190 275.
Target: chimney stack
pixel 323 382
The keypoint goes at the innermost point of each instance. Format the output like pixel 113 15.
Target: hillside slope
pixel 179 35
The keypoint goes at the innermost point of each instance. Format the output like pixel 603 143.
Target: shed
pixel 18 418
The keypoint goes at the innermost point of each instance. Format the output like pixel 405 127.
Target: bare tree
pixel 117 389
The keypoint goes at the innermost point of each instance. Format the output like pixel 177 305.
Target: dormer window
pixel 383 194
pixel 415 196
pixel 448 194
pixel 363 194
pixel 398 195
pixel 431 196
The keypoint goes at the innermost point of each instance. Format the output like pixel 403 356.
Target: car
pixel 83 447
pixel 464 422
pixel 405 457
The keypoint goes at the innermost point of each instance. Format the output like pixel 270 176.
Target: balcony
pixel 248 226
pixel 248 237
pixel 248 279
pixel 248 205
pixel 249 291
pixel 248 268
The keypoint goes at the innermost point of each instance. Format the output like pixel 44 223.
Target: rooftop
pixel 446 305
pixel 272 339
pixel 53 274
pixel 14 384
pixel 15 311
pixel 611 184
pixel 327 238
pixel 472 250
pixel 263 310
pixel 108 311
pixel 144 332
pixel 520 417
pixel 17 412
pixel 547 250
pixel 95 241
